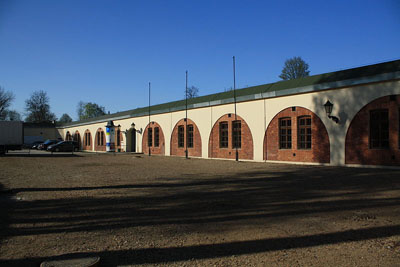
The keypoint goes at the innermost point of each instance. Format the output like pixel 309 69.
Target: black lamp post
pixel 234 100
pixel 149 122
pixel 186 120
pixel 118 135
pixel 328 109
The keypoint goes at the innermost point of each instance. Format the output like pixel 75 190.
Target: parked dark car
pixel 64 146
pixel 47 143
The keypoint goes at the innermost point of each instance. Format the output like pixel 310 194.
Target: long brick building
pixel 279 122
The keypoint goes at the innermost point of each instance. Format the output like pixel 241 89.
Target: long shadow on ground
pixel 174 254
pixel 240 199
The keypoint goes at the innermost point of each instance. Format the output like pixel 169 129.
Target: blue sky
pixel 107 51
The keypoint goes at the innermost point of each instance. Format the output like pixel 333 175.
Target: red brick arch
pixel 358 149
pixel 87 141
pixel 320 146
pixel 100 140
pixel 160 150
pixel 246 150
pixel 195 151
pixel 118 147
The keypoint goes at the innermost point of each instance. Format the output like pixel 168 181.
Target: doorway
pixel 133 140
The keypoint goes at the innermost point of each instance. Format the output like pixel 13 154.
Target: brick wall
pixel 246 150
pixel 358 149
pixel 320 147
pixel 180 151
pixel 160 150
pixel 100 147
pixel 118 147
pixel 90 146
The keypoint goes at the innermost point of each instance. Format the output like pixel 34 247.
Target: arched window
pixel 100 138
pixel 304 132
pixel 285 133
pixel 374 132
pixel 77 138
pixel 185 136
pixel 100 141
pixel 296 134
pixel 153 138
pixel 68 136
pixel 87 140
pixel 118 138
pixel 230 136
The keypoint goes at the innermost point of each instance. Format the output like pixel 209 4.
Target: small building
pixel 40 132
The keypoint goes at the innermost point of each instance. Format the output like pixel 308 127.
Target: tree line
pixel 37 107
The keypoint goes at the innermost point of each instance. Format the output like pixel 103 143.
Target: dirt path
pixel 132 210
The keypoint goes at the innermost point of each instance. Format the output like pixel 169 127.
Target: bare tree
pixel 294 68
pixel 192 92
pixel 38 108
pixel 6 97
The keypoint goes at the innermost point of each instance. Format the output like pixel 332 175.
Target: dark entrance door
pixel 133 140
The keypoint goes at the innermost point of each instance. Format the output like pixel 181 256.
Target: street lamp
pixel 234 100
pixel 140 131
pixel 328 109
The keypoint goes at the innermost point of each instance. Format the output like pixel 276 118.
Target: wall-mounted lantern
pixel 140 131
pixel 328 109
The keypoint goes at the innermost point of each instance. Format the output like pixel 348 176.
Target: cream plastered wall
pixel 259 113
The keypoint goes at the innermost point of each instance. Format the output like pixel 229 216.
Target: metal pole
pixel 234 99
pixel 148 129
pixel 186 127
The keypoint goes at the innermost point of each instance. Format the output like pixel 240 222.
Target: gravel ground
pixel 156 211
